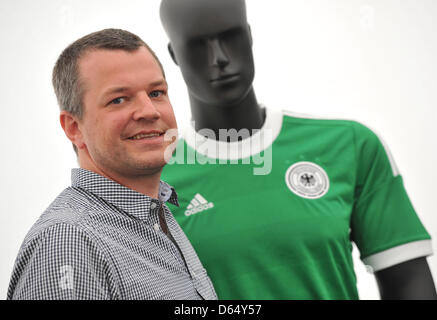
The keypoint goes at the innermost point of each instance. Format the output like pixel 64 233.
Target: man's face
pixel 126 111
pixel 212 45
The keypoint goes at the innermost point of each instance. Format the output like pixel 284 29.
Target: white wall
pixel 366 60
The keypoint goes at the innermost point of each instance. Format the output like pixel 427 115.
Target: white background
pixel 373 61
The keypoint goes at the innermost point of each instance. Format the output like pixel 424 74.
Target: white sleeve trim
pixel 399 254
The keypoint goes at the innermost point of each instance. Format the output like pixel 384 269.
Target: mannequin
pixel 211 42
pixel 228 83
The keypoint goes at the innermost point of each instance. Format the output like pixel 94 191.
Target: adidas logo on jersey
pixel 198 204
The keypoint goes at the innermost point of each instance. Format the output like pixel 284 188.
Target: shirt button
pixel 156 227
pixel 153 205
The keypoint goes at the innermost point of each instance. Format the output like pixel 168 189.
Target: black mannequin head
pixel 210 40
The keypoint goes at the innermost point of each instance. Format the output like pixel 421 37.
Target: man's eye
pixel 119 100
pixel 156 93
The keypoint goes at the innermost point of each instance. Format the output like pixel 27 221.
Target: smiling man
pixel 110 235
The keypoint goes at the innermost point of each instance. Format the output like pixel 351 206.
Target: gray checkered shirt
pixel 101 240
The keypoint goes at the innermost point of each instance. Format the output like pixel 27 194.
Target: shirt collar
pixel 126 199
pixel 259 141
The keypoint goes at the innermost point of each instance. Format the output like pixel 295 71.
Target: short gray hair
pixel 69 88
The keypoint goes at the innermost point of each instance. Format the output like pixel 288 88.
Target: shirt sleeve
pixel 384 224
pixel 61 263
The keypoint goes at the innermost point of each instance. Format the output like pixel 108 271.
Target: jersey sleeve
pixel 61 263
pixel 384 224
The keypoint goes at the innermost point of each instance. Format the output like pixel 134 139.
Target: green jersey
pixel 273 216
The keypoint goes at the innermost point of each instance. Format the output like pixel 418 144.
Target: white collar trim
pixel 256 143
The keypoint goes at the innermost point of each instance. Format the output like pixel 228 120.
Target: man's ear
pixel 250 35
pixel 71 128
pixel 172 55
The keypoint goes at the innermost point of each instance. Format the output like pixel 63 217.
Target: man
pixel 110 235
pixel 284 233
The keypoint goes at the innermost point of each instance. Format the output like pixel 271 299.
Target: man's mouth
pixel 142 136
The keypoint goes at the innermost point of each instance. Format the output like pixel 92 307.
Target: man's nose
pixel 145 109
pixel 219 57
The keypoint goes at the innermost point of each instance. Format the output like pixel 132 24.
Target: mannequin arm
pixel 410 280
